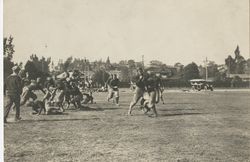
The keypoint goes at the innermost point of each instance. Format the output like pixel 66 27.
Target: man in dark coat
pixel 14 90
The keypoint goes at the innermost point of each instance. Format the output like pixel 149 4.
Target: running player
pixel 114 83
pixel 159 89
pixel 139 89
pixel 109 88
pixel 151 90
pixel 28 91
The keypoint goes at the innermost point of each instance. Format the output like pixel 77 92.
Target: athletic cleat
pixel 18 119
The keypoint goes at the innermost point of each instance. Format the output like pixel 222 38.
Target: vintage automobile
pixel 201 84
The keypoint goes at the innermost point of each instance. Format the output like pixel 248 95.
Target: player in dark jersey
pixel 28 91
pixel 114 85
pixel 139 88
pixel 151 90
pixel 49 83
pixel 109 87
pixel 159 89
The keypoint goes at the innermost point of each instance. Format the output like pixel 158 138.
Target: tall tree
pixel 179 67
pixel 191 71
pixel 8 51
pixel 240 61
pixel 31 69
pixel 236 65
pixel 67 63
pixel 231 65
pixel 108 65
pixel 212 70
pixel 37 67
pixel 8 47
pixel 248 62
pixel 100 77
pixel 131 64
pixel 108 61
pixel 124 74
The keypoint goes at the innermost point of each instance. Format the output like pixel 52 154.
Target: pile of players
pixel 58 93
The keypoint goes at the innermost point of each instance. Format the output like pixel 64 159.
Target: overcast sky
pixel 167 30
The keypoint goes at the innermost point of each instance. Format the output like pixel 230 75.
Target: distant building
pixel 244 77
pixel 164 72
pixel 117 72
pixel 179 67
pixel 222 68
pixel 52 66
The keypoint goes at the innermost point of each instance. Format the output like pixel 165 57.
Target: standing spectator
pixel 14 90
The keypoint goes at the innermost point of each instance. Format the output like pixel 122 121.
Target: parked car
pixel 201 84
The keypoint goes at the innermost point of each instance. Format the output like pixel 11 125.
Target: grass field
pixel 202 126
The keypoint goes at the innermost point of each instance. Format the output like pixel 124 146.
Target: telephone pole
pixel 142 57
pixel 206 68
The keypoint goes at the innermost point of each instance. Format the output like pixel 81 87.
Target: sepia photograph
pixel 125 80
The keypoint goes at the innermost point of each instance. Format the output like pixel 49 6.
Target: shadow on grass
pixel 92 109
pixel 89 109
pixel 51 113
pixel 108 108
pixel 54 120
pixel 184 103
pixel 57 113
pixel 180 114
pixel 111 108
pixel 85 108
pixel 175 109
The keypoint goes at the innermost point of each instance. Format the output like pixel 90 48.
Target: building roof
pixel 242 76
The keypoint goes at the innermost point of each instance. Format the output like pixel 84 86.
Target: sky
pixel 167 30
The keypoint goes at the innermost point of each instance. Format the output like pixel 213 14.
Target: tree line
pixel 176 75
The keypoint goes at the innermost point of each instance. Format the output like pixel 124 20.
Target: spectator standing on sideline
pixel 14 90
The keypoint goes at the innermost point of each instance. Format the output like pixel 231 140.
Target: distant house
pixel 117 72
pixel 164 72
pixel 222 68
pixel 244 77
pixel 179 67
pixel 247 70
